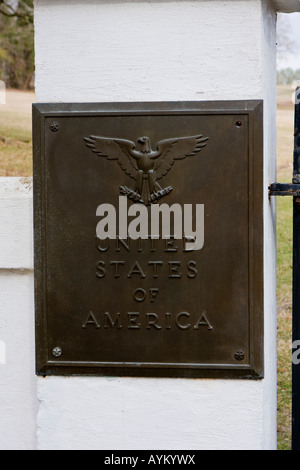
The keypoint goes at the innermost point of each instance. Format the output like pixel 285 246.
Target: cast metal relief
pixel 147 265
pixel 146 166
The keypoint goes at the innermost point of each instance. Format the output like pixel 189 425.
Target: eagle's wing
pixel 115 149
pixel 179 148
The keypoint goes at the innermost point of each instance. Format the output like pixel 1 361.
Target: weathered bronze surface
pixel 145 165
pixel 149 307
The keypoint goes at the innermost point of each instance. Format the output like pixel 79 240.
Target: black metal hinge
pixel 285 189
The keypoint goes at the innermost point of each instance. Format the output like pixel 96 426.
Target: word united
pixel 158 221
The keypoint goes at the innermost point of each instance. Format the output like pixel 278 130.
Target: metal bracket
pixel 284 189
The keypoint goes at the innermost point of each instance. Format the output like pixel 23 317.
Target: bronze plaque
pixel 149 239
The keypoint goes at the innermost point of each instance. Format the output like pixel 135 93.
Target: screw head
pixel 239 355
pixel 54 126
pixel 57 352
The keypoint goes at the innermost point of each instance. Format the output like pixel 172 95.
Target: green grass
pixel 284 320
pixel 285 129
pixel 15 145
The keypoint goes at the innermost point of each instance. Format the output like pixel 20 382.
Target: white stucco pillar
pixel 95 51
pixel 18 394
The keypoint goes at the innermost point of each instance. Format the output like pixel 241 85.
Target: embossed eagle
pixel 145 165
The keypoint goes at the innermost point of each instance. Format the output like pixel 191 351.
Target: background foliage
pixel 288 76
pixel 17 44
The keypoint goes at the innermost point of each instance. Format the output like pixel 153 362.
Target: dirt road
pixel 18 102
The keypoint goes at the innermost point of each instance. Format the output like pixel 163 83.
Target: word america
pixel 135 321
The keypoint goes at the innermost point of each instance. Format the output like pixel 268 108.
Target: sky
pixel 293 60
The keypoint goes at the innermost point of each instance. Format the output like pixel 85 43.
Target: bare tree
pixel 285 44
pixel 17 43
pixel 17 9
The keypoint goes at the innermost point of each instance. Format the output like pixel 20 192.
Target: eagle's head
pixel 145 142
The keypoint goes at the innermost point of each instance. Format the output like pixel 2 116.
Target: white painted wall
pixel 149 51
pixel 18 391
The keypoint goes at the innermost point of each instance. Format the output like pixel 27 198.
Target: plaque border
pixel 255 369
